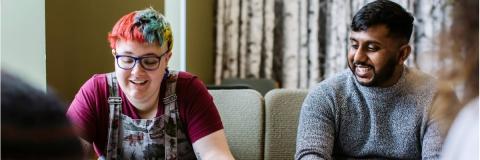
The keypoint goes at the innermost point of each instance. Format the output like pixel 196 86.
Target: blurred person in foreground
pixel 34 125
pixel 143 110
pixel 458 57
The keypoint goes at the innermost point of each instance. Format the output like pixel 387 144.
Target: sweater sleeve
pixel 432 141
pixel 316 127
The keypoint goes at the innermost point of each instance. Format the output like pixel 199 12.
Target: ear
pixel 113 52
pixel 168 56
pixel 404 53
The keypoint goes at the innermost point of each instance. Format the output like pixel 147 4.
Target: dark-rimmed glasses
pixel 149 62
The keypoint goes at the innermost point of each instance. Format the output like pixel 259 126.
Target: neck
pixel 397 74
pixel 147 109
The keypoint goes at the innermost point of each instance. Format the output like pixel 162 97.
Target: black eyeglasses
pixel 149 63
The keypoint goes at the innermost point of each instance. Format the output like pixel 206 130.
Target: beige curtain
pixel 298 43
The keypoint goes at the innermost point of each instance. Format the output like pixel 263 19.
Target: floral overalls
pixel 162 137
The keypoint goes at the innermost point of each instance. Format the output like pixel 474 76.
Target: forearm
pixel 88 151
pixel 214 155
pixel 315 135
pixel 310 157
pixel 213 146
pixel 313 143
pixel 432 142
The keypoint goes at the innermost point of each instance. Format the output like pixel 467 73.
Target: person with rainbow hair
pixel 143 110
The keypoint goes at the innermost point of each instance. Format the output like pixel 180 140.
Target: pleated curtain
pixel 298 43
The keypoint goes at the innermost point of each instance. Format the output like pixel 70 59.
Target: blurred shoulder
pixel 420 80
pixel 417 74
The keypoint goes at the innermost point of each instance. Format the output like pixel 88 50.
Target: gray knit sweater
pixel 341 119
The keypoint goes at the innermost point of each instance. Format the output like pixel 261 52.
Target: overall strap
pixel 171 114
pixel 115 106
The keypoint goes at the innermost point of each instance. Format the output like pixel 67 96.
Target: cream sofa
pixel 260 127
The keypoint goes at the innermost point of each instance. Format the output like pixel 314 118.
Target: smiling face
pixel 375 58
pixel 138 84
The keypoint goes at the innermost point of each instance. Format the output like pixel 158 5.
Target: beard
pixel 379 76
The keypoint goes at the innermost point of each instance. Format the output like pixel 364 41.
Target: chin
pixel 365 82
pixel 136 96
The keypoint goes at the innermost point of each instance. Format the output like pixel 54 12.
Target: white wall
pixel 23 40
pixel 175 12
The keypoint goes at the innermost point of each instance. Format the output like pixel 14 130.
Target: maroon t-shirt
pixel 89 110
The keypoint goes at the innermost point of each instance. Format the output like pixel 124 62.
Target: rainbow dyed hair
pixel 146 25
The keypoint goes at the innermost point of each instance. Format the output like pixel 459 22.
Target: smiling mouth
pixel 138 82
pixel 363 71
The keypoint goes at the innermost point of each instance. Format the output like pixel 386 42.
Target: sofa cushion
pixel 242 113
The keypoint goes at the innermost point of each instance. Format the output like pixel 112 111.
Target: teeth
pixel 363 69
pixel 138 81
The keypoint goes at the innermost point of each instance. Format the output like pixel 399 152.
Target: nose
pixel 359 56
pixel 137 68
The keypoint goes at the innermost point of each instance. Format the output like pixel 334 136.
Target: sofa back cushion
pixel 282 109
pixel 242 112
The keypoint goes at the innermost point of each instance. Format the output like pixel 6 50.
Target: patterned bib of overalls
pixel 162 137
